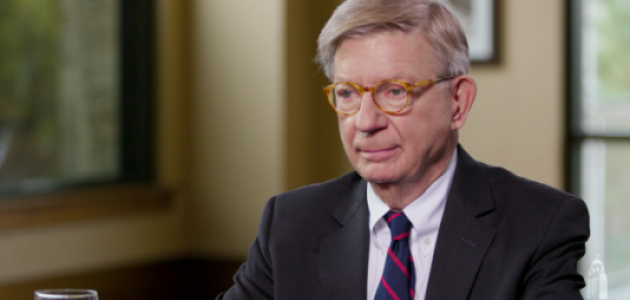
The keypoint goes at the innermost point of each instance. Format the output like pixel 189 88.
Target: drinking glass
pixel 73 294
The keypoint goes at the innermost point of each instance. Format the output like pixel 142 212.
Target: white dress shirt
pixel 425 214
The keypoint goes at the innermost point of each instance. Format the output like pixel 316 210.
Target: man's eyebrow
pixel 406 78
pixel 341 79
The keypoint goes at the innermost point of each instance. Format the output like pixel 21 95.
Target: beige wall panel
pixel 238 118
pixel 314 151
pixel 517 120
pixel 81 247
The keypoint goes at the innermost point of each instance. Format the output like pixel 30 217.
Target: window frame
pixel 137 33
pixel 575 135
pixel 136 188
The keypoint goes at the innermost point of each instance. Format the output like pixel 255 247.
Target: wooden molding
pixel 79 204
pixel 177 279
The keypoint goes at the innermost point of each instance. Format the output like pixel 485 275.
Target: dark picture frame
pixel 480 20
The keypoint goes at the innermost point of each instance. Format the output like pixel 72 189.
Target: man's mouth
pixel 377 154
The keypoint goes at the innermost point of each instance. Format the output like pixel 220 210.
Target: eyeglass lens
pixel 390 96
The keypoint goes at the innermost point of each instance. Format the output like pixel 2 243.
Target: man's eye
pixel 395 92
pixel 346 94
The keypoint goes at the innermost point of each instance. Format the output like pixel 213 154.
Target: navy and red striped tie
pixel 398 280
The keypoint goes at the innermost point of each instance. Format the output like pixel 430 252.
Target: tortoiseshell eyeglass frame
pixel 408 87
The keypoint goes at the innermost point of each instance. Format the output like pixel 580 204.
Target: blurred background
pixel 140 140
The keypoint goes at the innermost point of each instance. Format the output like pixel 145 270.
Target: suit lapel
pixel 463 240
pixel 344 252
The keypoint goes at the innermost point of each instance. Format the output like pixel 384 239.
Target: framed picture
pixel 479 19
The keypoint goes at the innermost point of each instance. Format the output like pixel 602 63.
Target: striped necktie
pixel 398 280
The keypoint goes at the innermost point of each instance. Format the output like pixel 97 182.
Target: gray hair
pixel 356 18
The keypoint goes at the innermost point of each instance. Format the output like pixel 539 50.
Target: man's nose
pixel 370 117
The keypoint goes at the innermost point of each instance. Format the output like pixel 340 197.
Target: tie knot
pixel 398 224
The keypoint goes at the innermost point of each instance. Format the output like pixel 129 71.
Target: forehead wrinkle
pixel 384 68
pixel 390 69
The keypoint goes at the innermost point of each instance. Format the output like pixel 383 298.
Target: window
pixel 599 138
pixel 75 93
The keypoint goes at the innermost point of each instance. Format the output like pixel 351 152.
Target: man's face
pixel 387 148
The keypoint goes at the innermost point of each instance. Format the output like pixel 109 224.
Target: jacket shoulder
pixel 525 201
pixel 320 193
pixel 504 183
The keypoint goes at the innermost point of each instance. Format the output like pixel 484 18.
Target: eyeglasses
pixel 391 96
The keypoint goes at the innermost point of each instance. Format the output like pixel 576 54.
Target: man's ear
pixel 464 90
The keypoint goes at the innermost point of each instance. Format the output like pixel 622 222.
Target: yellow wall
pixel 313 147
pixel 517 120
pixel 237 120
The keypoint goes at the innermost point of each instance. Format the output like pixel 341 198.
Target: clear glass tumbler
pixel 74 294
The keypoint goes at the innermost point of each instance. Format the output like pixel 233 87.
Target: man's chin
pixel 378 177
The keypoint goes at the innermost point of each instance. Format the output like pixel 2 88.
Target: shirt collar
pixel 425 212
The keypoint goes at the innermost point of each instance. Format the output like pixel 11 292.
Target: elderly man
pixel 419 218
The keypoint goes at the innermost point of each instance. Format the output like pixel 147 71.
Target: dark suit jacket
pixel 502 237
